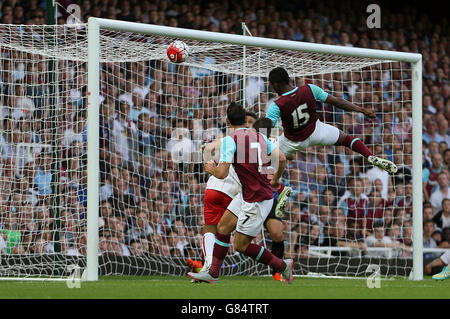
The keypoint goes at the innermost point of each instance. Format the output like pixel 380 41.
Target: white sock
pixel 208 247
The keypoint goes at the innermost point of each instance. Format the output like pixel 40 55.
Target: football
pixel 178 52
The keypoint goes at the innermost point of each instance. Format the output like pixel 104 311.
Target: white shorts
pixel 446 257
pixel 324 134
pixel 251 216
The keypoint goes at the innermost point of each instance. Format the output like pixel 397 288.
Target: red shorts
pixel 215 204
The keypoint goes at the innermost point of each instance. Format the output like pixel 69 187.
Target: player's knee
pixel 275 228
pixel 223 229
pixel 277 237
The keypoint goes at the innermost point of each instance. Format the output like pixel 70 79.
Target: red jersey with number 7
pixel 298 113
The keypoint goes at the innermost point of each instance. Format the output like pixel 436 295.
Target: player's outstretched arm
pixel 348 106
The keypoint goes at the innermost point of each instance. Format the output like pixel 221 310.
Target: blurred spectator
pixel 431 132
pixel 123 131
pixel 441 193
pixel 431 174
pixel 338 183
pixel 442 218
pixel 75 132
pixel 355 205
pixel 377 206
pixel 296 183
pixel 445 243
pixel 379 239
pixel 406 200
pixel 355 240
pixel 43 176
pixel 328 198
pixel 337 236
pixel 142 228
pixel 428 211
pixel 428 241
pixel 136 248
pixel 114 246
pixel 407 236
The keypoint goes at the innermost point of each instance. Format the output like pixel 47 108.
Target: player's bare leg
pixel 435 263
pixel 355 144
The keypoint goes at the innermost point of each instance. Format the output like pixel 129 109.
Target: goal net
pixel 154 118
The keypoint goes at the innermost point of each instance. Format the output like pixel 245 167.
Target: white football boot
pixel 382 163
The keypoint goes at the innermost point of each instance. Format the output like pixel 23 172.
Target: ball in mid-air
pixel 178 52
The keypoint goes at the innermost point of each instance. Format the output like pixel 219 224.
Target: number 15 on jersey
pixel 299 117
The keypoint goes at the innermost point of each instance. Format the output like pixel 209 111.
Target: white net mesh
pixel 154 117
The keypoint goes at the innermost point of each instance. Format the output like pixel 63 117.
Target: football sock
pixel 208 246
pixel 221 246
pixel 356 145
pixel 278 250
pixel 262 255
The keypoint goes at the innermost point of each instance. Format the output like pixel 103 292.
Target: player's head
pixel 263 125
pixel 235 114
pixel 278 78
pixel 250 119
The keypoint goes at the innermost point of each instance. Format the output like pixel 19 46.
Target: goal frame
pixel 94 26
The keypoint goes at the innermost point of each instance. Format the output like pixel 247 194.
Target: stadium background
pixel 168 220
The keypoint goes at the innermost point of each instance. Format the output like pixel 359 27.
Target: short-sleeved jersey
pixel 249 151
pixel 297 109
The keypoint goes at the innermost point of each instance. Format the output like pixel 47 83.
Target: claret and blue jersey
pixel 248 151
pixel 297 109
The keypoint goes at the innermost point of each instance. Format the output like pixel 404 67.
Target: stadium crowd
pixel 151 200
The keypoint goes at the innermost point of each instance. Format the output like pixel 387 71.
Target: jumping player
pixel 283 192
pixel 246 150
pixel 302 128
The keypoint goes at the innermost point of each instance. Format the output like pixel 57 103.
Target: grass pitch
pixel 166 287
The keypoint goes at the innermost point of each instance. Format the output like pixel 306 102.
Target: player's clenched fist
pixel 275 183
pixel 210 166
pixel 369 113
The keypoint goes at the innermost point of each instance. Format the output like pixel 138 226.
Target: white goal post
pixel 94 52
